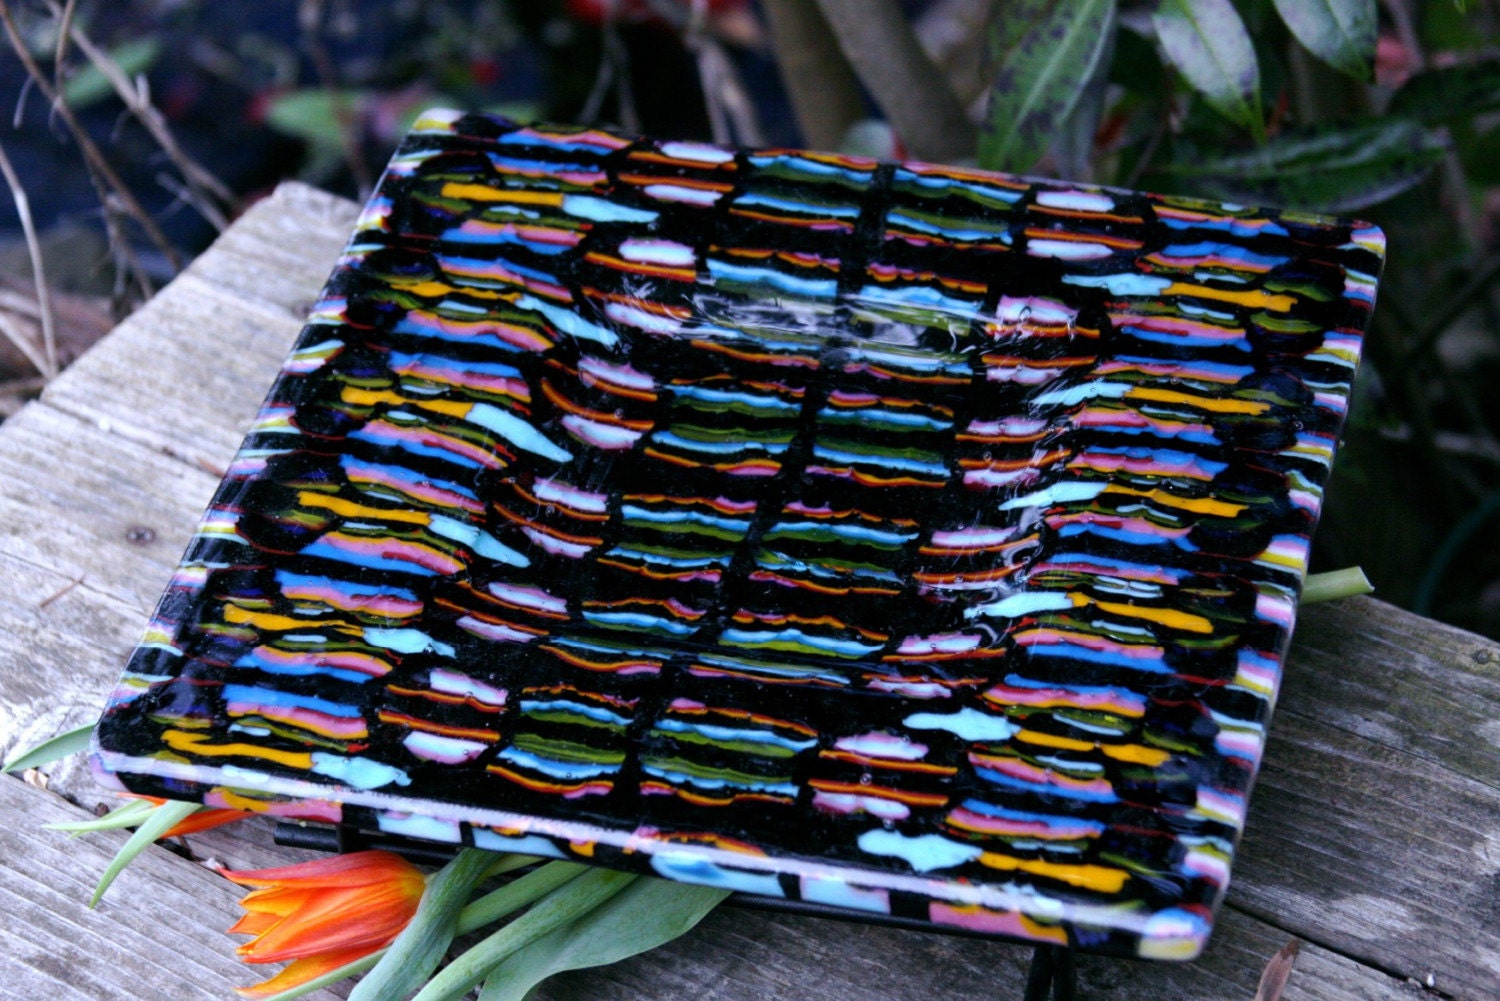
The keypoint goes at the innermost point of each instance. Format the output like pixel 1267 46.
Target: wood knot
pixel 140 535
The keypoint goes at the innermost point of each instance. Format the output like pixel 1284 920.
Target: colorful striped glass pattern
pixel 916 540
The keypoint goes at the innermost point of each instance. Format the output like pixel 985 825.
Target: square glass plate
pixel 916 540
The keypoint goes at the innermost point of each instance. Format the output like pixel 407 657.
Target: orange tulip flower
pixel 324 914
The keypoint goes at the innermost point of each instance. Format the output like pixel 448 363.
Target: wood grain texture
pixel 1374 833
pixel 158 932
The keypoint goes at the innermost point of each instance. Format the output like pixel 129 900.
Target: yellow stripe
pixel 485 193
pixel 1169 617
pixel 1254 298
pixel 1198 505
pixel 370 397
pixel 192 743
pixel 350 509
pixel 1222 405
pixel 1093 877
pixel 429 289
pixel 426 289
pixel 1133 753
pixel 238 616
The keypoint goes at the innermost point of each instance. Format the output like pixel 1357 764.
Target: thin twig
pixel 15 392
pixel 881 47
pixel 60 592
pixel 721 76
pixel 19 304
pixel 724 95
pixel 91 152
pixel 18 337
pixel 48 368
pixel 310 20
pixel 201 181
pixel 1153 142
pixel 614 68
pixel 64 30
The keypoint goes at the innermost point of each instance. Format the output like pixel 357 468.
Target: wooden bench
pixel 1374 831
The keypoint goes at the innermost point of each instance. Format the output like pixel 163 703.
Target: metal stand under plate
pixel 1051 977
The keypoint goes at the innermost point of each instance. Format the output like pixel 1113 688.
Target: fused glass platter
pixel 916 540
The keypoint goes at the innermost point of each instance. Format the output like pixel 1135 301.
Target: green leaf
pixel 517 894
pixel 648 913
pixel 561 907
pixel 419 948
pixel 47 751
pixel 315 114
pixel 1336 170
pixel 1208 43
pixel 1450 94
pixel 89 85
pixel 125 815
pixel 1044 52
pixel 1339 32
pixel 163 818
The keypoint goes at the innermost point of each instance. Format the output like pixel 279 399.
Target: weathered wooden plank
pixel 158 933
pixel 1375 825
pixel 186 371
pixel 83 502
pixel 281 251
pixel 1377 853
pixel 61 647
pixel 737 955
pixel 230 370
pixel 1402 681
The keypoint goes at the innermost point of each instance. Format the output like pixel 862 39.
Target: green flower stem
pixel 580 896
pixel 517 894
pixel 418 950
pixel 1344 583
pixel 509 862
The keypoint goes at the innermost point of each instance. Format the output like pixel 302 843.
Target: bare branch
pixel 822 87
pixel 911 91
pixel 13 333
pixel 91 152
pixel 614 68
pixel 731 114
pixel 64 29
pixel 201 181
pixel 309 20
pixel 48 366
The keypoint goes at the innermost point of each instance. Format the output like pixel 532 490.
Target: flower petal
pixel 357 868
pixel 206 819
pixel 301 971
pixel 255 923
pixel 368 916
